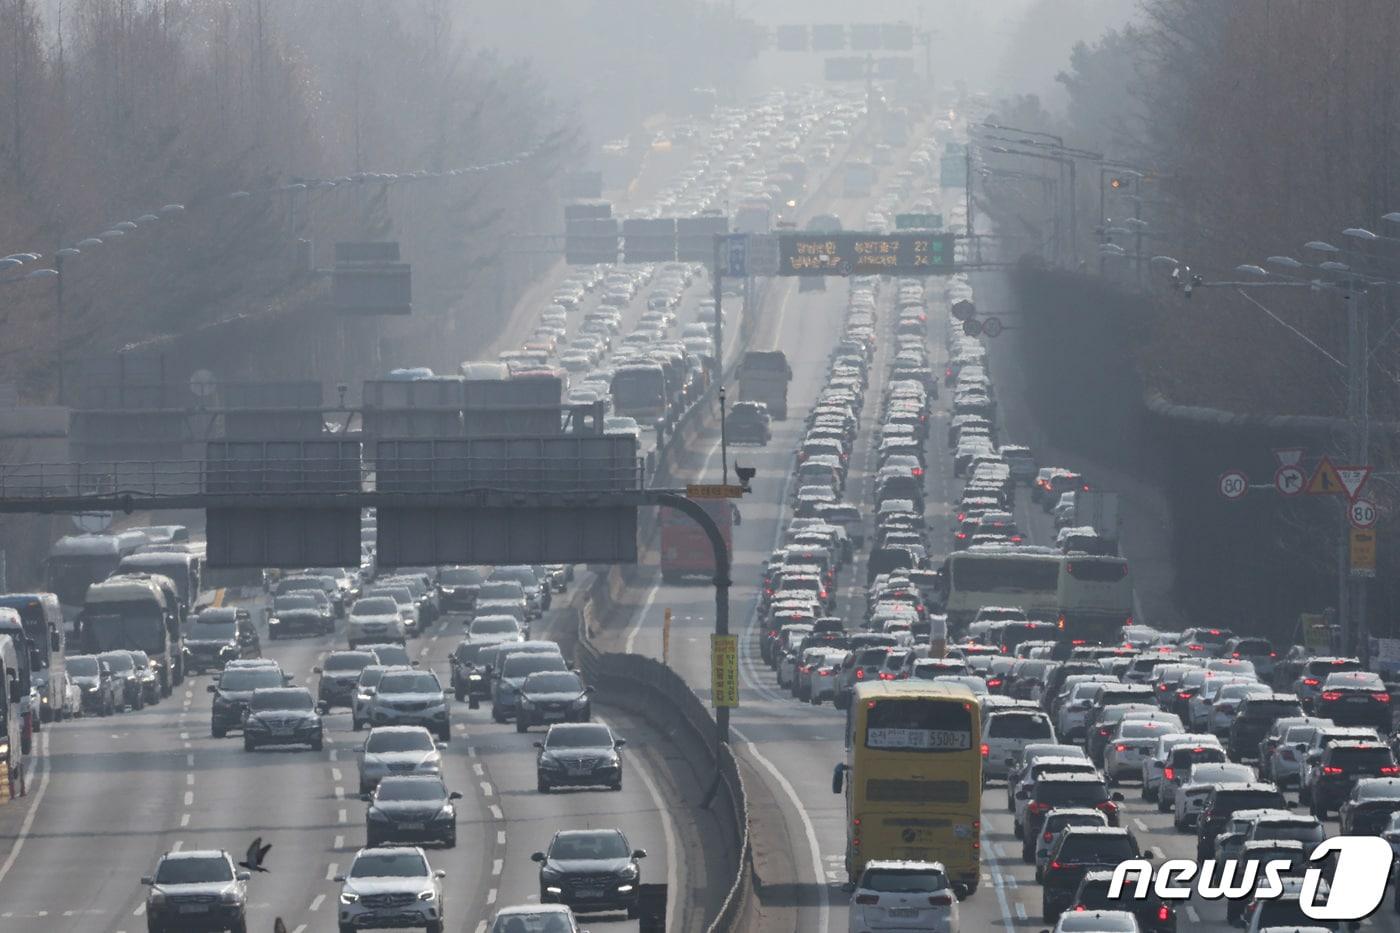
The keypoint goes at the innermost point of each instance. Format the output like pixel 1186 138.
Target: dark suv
pixel 234 691
pixel 1078 851
pixel 1255 715
pixel 1154 915
pixel 1056 789
pixel 340 673
pixel 1355 698
pixel 1342 765
pixel 590 870
pixel 1221 803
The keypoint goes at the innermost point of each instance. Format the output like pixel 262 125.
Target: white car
pixel 904 896
pixel 386 886
pixel 1097 921
pixel 1006 733
pixel 397 750
pixel 1190 797
pixel 375 618
pixel 409 697
pixel 1130 744
pixel 1055 822
pixel 1199 706
pixel 364 693
pixel 1227 700
pixel 1155 764
pixel 1285 764
pixel 1041 766
pixel 1075 711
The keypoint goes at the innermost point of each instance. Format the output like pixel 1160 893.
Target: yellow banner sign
pixel 1363 552
pixel 724 670
pixel 714 491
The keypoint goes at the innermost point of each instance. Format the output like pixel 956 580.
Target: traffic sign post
pixel 1362 513
pixel 724 671
pixel 963 310
pixel 1325 481
pixel 714 491
pixel 1352 479
pixel 1363 553
pixel 972 327
pixel 993 327
pixel 1289 480
pixel 1233 484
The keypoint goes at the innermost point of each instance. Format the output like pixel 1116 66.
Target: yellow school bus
pixel 913 777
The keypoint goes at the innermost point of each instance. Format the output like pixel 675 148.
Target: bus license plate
pixel 950 739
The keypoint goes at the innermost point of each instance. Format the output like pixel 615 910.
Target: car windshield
pixel 1019 726
pixel 553 682
pixel 410 741
pixel 522 665
pixel 82 666
pixel 391 655
pixel 1103 848
pixel 904 880
pixel 370 676
pixel 400 864
pixel 1138 729
pixel 1071 792
pixel 588 846
pixel 409 682
pixel 1108 922
pixel 1301 830
pixel 460 576
pixel 212 631
pixel 552 922
pixel 119 661
pixel 194 870
pixel 293 601
pixel 375 606
pixel 1287 911
pixel 281 699
pixel 580 736
pixel 348 661
pixel 495 625
pixel 500 589
pixel 410 788
pixel 250 678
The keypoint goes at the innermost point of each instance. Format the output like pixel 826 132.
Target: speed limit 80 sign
pixel 1362 513
pixel 1233 484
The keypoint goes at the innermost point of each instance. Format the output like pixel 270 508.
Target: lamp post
pixel 1073 213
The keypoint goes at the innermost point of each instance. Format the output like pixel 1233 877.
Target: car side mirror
pixel 414 663
pixel 454 796
pixel 441 746
pixel 147 880
pixel 537 744
pixel 211 689
pixel 315 670
pixel 1150 854
pixel 1290 804
pixel 838 778
pixel 439 873
pixel 339 879
pixel 367 797
pixel 1302 747
pixel 323 708
pixel 619 743
pixel 639 853
pixel 537 857
pixel 286 679
pixel 1116 796
pixel 242 875
pixel 590 689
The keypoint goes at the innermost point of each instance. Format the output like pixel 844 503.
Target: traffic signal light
pixel 1116 183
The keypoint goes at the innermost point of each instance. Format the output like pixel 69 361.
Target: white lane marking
pixel 331 870
pixel 995 869
pixel 189 759
pixel 184 820
pixel 317 901
pixel 189 780
pixel 500 837
pixel 299 928
pixel 1020 911
pixel 339 842
pixel 179 844
pixel 471 751
pixel 1141 826
pixel 184 735
pixel 636 629
pixel 140 909
pixel 818 872
pixel 339 792
pixel 477 769
pixel 341 816
pixel 42 764
pixel 497 866
pixel 496 813
pixel 189 798
pixel 491 896
pixel 481 924
pixel 335 774
pixel 1192 915
pixel 486 789
pixel 334 755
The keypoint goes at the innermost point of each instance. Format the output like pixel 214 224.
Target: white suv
pixel 374 618
pixel 391 886
pixel 903 895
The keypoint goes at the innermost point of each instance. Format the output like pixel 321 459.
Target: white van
pixel 1005 735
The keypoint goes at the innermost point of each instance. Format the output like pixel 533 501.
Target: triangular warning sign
pixel 1325 481
pixel 1353 478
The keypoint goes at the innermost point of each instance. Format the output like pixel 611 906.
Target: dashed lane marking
pixel 496 813
pixel 331 870
pixel 189 798
pixel 487 790
pixel 319 899
pixel 184 820
pixel 497 866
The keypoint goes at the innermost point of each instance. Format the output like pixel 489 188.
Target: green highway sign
pixel 865 253
pixel 918 221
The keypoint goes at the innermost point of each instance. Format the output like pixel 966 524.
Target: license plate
pixel 578 770
pixel 1358 701
pixel 194 908
pixel 902 911
pixel 554 714
pixel 411 826
pixel 282 730
pixel 589 892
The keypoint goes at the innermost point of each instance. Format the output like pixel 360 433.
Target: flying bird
pixel 256 853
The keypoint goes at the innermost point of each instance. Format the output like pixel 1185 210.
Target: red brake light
pixel 996 682
pixel 867 899
pixel 1038 807
pixel 918 471
pixel 825 673
pixel 1234 654
pixel 1108 806
pixel 1381 697
pixel 1331 695
pixel 1056 865
pixel 1048 837
pixel 986 750
pixel 1213 631
pixel 1310 681
pixel 1331 769
pixel 1164 913
pixel 1195 647
pixel 1120 747
pixel 1169 774
pixel 1183 694
pixel 941 900
pixel 886 675
pixel 1273 654
pixel 860 673
pixel 1390 770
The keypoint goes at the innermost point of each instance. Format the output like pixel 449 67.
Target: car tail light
pixel 867 899
pixel 1213 631
pixel 1038 807
pixel 1234 654
pixel 1055 866
pixel 1048 837
pixel 1310 681
pixel 1331 695
pixel 886 675
pixel 1273 654
pixel 1164 913
pixel 1183 694
pixel 1169 774
pixel 986 750
pixel 994 682
pixel 1107 806
pixel 1105 732
pixel 1196 647
pixel 918 471
pixel 940 900
pixel 1331 769
pixel 1381 697
pixel 825 673
pixel 1390 770
pixel 1120 747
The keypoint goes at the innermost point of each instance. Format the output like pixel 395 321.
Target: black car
pixel 1254 717
pixel 552 696
pixel 299 613
pixel 100 691
pixel 1263 852
pixel 1342 765
pixel 1154 915
pixel 232 694
pixel 1078 851
pixel 124 671
pixel 1355 698
pixel 1367 810
pixel 579 755
pixel 219 635
pixel 748 423
pixel 471 659
pixel 411 808
pixel 1057 789
pixel 1223 800
pixel 340 672
pixel 149 676
pixel 457 588
pixel 591 871
pixel 281 716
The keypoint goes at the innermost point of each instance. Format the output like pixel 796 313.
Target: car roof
pixel 1097 830
pixel 195 854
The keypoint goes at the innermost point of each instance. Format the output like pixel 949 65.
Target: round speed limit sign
pixel 1233 484
pixel 1363 513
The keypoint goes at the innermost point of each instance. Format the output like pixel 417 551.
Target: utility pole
pixel 1352 610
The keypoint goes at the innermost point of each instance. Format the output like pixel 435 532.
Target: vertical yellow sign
pixel 1363 552
pixel 666 638
pixel 724 670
